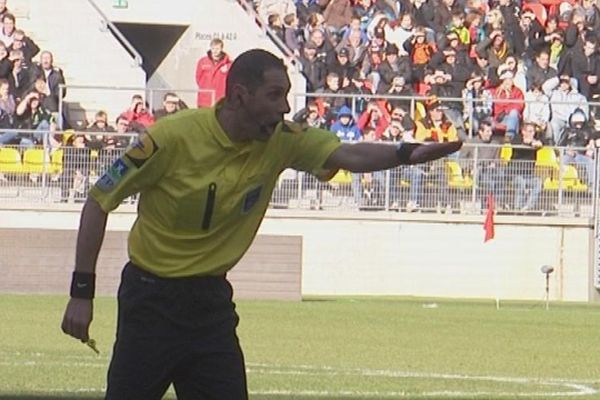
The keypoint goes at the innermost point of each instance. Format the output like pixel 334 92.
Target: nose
pixel 285 106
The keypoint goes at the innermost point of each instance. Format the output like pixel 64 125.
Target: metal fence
pixel 555 184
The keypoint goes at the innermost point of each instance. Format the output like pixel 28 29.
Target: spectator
pixel 171 104
pixel 26 45
pixel 275 24
pixel 420 52
pixel 7 33
pixel 537 110
pixel 138 112
pixel 20 76
pixel 494 48
pixel 400 88
pixel 375 117
pixel 526 183
pixel 314 70
pixel 310 116
pixel 76 169
pixel 485 159
pixel 541 70
pixel 508 104
pixel 7 106
pixel 332 105
pixel 293 35
pixel 343 68
pixel 30 114
pixel 393 66
pixel 356 46
pixel 564 99
pixel 305 8
pixel 510 65
pixel 53 78
pixel 5 63
pixel 399 33
pixel 435 127
pixel 211 74
pixel 402 128
pixel 579 135
pixel 443 86
pixel 337 14
pixel 585 66
pixel 345 127
pixel 478 104
pixel 324 49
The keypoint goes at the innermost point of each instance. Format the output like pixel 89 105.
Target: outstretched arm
pixel 79 311
pixel 366 157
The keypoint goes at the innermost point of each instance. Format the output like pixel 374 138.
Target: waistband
pixel 148 276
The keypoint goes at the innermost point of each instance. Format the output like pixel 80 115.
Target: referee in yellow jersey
pixel 205 177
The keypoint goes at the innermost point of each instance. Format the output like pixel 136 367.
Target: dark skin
pixel 244 116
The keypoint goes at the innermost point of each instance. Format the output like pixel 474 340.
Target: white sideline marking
pixel 570 388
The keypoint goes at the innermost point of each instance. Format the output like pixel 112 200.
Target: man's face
pixel 528 132
pixel 406 22
pixel 333 83
pixel 122 126
pixel 2 5
pixel 485 133
pixel 589 48
pixel 264 109
pixel 543 60
pixel 9 25
pixel 46 60
pixel 216 50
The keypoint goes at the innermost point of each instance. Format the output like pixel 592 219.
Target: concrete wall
pixel 206 19
pixel 421 255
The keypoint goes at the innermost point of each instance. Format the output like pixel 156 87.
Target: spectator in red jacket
pixel 138 112
pixel 211 74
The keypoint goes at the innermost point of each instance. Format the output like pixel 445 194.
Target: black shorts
pixel 179 331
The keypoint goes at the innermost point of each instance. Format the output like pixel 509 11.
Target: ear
pixel 240 95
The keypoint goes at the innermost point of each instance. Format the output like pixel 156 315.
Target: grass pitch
pixel 391 348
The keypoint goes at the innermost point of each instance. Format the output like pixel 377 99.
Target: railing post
pixel 61 90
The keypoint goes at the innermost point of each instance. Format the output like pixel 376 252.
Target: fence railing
pixel 58 169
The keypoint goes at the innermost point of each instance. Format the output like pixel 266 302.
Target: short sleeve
pixel 140 168
pixel 310 148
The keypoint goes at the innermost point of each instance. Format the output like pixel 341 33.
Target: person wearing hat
pixel 420 52
pixel 313 69
pixel 435 127
pixel 478 104
pixel 508 103
pixel 393 66
pixel 342 67
pixel 577 136
pixel 399 87
pixel 564 99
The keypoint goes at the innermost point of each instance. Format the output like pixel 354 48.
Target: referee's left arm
pixel 367 157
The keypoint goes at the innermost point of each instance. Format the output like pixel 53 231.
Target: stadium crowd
pixel 521 72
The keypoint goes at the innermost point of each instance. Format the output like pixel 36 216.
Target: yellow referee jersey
pixel 202 196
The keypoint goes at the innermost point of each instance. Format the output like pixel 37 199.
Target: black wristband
pixel 83 285
pixel 404 150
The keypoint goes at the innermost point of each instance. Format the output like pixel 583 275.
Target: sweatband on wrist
pixel 404 150
pixel 83 285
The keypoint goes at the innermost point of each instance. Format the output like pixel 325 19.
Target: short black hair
pixel 248 70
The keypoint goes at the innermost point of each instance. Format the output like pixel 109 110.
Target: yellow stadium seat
pixel 571 181
pixel 506 153
pixel 456 179
pixel 34 161
pixel 342 177
pixel 56 162
pixel 10 160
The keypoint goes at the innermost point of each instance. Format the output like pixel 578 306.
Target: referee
pixel 205 177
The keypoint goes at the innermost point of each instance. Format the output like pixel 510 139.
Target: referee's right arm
pixel 79 311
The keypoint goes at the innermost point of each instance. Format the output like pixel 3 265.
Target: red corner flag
pixel 488 225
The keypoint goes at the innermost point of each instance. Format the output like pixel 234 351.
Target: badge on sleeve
pixel 112 176
pixel 142 150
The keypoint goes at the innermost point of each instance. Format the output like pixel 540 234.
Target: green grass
pixel 339 349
